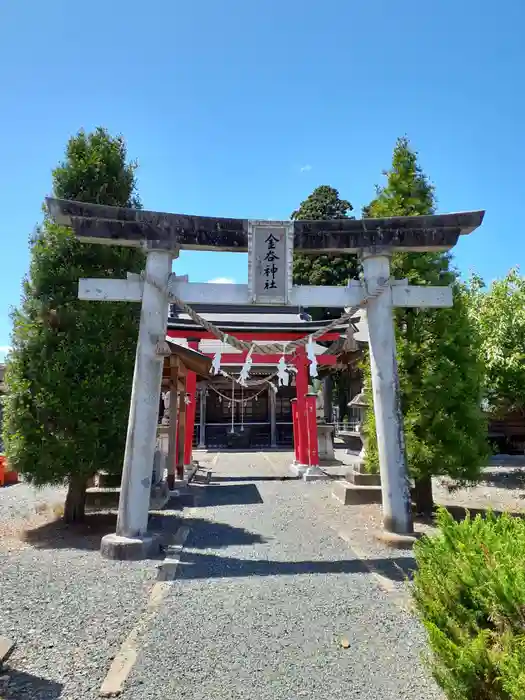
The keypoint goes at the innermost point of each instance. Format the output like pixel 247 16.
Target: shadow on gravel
pixel 206 534
pixel 459 513
pixel 398 569
pixel 16 685
pixel 203 566
pixel 59 535
pixel 237 479
pixel 230 495
pixel 505 478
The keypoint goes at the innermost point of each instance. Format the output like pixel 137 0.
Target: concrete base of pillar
pixel 298 469
pixel 115 546
pixel 396 540
pixel 315 474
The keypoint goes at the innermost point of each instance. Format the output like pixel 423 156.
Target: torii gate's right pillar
pixel 397 507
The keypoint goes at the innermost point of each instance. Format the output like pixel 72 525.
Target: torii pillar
pixel 397 504
pixel 163 235
pixel 131 539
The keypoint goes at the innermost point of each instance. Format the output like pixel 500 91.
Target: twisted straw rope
pixel 234 400
pixel 271 348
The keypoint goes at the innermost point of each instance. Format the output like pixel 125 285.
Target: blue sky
pixel 241 108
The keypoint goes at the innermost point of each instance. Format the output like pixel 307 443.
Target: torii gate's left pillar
pixel 131 539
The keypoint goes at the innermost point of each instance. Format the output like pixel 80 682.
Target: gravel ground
pixel 265 594
pixel 20 501
pixel 502 489
pixel 66 607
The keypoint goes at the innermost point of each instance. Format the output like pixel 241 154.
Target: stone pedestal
pixel 315 474
pixel 298 469
pixel 325 441
pixel 130 548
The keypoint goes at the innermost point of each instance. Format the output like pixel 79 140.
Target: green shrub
pixel 469 590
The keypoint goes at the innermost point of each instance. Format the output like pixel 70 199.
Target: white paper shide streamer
pixel 246 368
pixel 216 362
pixel 282 372
pixel 310 353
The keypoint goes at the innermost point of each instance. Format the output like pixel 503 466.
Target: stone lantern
pixel 325 431
pixel 359 401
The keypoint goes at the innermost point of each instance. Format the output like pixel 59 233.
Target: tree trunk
pixel 423 495
pixel 75 508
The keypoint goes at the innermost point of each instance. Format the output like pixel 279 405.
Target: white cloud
pixel 222 280
pixel 305 168
pixel 4 349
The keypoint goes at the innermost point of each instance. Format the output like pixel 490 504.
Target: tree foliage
pixel 326 270
pixel 499 313
pixel 469 590
pixel 330 270
pixel 439 370
pixel 70 370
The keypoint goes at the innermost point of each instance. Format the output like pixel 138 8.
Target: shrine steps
pixel 104 493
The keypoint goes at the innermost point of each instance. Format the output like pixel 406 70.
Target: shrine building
pixel 259 415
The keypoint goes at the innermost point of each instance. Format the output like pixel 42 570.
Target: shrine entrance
pixel 236 419
pixel 270 246
pixel 255 413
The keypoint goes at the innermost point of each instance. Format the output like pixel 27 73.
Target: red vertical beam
pixel 313 442
pixel 177 450
pixel 296 435
pixel 191 392
pixel 301 383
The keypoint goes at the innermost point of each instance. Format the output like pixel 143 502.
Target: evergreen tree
pixel 439 370
pixel 70 371
pixel 331 270
pixel 326 270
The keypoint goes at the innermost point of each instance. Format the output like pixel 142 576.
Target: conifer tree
pixel 69 373
pixel 326 270
pixel 440 374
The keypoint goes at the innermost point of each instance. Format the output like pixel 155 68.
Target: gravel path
pixel 265 594
pixel 21 500
pixel 275 575
pixel 502 488
pixel 66 607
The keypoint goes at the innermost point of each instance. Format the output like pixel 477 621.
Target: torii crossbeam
pixel 270 245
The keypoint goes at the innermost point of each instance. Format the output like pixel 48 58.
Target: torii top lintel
pixel 97 223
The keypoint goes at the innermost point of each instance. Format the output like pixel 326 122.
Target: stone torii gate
pixel 270 245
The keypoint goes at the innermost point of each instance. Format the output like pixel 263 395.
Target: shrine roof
pixel 98 223
pixel 255 319
pixel 193 360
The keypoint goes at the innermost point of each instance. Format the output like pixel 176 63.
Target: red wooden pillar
pixel 313 442
pixel 177 440
pixel 296 436
pixel 191 392
pixel 301 384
